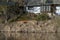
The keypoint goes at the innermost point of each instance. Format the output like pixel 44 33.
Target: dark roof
pixel 31 2
pixel 56 1
pixel 37 2
pixel 41 2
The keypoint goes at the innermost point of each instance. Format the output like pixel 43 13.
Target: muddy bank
pixel 30 26
pixel 29 30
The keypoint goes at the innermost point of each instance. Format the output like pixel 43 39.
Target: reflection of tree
pixel 10 38
pixel 2 36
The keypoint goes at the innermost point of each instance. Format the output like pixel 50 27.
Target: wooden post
pixel 53 8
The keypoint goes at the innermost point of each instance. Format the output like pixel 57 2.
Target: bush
pixel 43 17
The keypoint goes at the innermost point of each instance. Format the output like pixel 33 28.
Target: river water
pixel 30 36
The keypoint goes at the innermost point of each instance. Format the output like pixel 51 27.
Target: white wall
pixel 58 10
pixel 33 10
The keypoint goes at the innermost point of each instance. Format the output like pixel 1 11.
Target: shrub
pixel 42 17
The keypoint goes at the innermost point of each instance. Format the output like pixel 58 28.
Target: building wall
pixel 38 9
pixel 45 8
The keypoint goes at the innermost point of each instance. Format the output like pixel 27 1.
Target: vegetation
pixel 42 17
pixel 16 12
pixel 11 12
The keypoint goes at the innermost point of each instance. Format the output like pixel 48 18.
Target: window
pixel 30 8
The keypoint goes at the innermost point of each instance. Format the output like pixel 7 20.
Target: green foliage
pixel 42 17
pixel 1 21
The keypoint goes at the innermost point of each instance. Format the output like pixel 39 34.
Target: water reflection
pixel 37 36
pixel 30 36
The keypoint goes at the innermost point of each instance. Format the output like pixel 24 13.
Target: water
pixel 29 36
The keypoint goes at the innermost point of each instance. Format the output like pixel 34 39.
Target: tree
pixel 4 10
pixel 15 11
